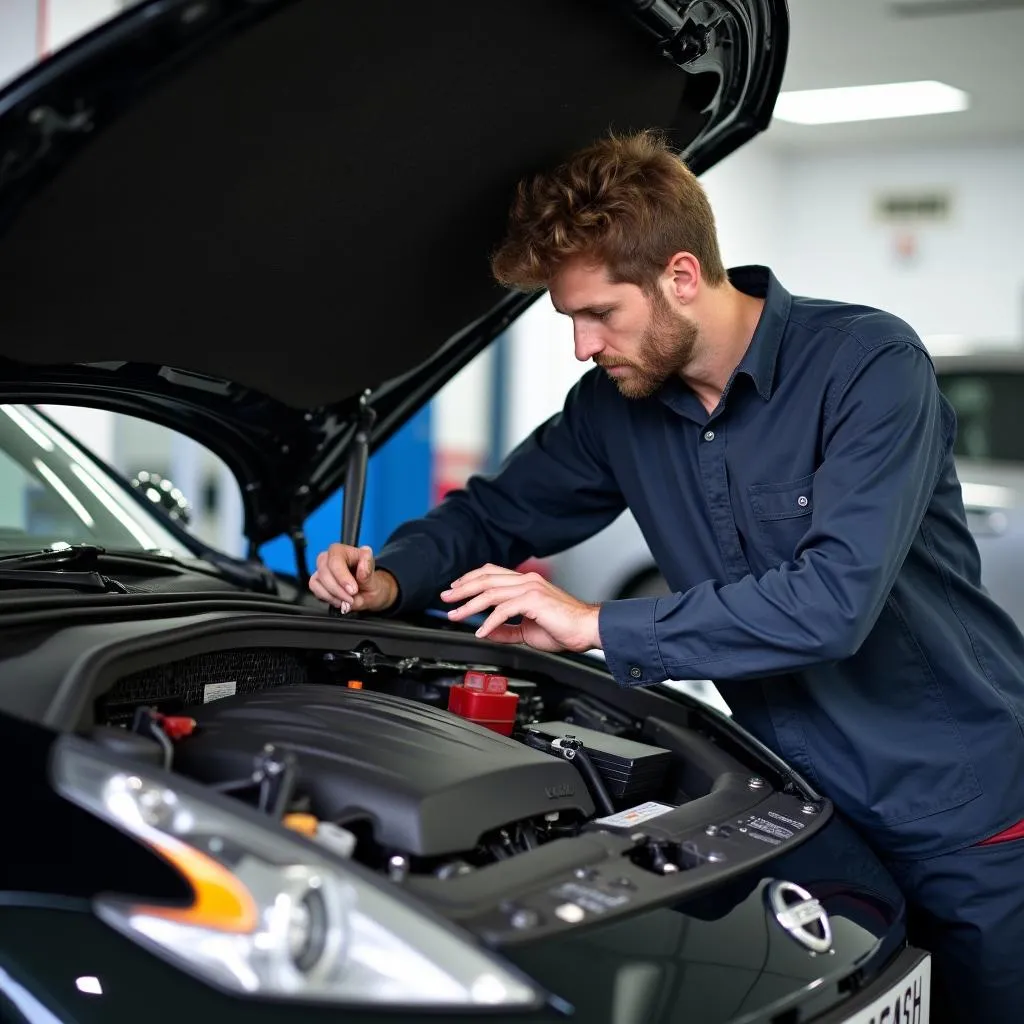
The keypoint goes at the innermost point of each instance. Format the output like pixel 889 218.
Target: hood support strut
pixel 354 494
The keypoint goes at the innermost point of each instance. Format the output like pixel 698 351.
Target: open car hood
pixel 244 218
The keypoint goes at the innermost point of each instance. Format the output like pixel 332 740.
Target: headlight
pixel 270 916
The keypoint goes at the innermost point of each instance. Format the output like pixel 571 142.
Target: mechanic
pixel 789 461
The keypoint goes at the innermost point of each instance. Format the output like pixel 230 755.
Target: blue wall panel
pixel 398 487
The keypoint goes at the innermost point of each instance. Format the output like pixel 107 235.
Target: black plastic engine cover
pixel 431 782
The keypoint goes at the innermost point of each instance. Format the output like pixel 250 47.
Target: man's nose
pixel 587 344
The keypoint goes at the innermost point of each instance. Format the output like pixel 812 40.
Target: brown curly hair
pixel 627 202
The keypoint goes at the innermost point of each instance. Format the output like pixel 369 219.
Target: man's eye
pixel 602 314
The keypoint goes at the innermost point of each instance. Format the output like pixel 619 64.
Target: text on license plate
pixel 907 1002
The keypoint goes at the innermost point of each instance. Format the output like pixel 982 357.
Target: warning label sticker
pixel 590 897
pixel 214 691
pixel 635 815
pixel 789 821
pixel 764 839
pixel 770 828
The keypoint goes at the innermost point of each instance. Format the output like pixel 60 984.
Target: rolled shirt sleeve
pixel 885 434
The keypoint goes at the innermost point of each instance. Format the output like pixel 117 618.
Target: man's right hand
pixel 347 578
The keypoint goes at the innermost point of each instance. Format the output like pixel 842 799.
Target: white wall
pixel 746 192
pixel 541 369
pixel 31 28
pixel 68 19
pixel 968 275
pixel 19 32
pixel 460 423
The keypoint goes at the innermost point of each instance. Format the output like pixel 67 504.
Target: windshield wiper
pixel 91 581
pixel 88 557
pixel 38 569
pixel 81 556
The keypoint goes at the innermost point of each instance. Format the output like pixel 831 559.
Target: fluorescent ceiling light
pixel 986 495
pixel 869 102
pixel 948 344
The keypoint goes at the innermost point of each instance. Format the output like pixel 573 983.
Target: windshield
pixel 987 408
pixel 52 491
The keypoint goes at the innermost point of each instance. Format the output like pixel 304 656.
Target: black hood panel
pixel 299 198
pixel 307 210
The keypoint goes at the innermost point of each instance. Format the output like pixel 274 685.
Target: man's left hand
pixel 552 620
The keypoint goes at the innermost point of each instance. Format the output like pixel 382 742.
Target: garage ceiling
pixel 974 45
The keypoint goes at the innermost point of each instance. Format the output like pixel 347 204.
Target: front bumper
pixel 901 994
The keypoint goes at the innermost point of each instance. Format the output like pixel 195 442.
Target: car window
pixel 987 408
pixel 86 476
pixel 181 475
pixel 53 491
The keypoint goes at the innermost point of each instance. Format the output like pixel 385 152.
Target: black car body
pixel 266 225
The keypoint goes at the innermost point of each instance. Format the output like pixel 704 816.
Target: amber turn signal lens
pixel 221 903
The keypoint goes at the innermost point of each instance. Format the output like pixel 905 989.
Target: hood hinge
pixel 681 39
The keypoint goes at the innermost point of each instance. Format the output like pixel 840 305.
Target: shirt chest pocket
pixel 782 515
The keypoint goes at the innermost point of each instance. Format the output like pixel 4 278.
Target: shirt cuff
pixel 629 641
pixel 418 587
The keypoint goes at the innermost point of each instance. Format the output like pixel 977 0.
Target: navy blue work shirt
pixel 813 532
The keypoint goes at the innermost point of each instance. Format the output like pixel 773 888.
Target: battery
pixel 629 769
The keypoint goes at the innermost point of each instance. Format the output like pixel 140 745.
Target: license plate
pixel 907 1002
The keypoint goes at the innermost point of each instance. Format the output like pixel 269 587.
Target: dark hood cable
pixel 571 749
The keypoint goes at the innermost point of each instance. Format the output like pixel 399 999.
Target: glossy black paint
pixel 53 849
pixel 721 954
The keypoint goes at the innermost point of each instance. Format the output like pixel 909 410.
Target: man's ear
pixel 682 277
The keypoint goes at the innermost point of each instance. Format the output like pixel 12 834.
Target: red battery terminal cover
pixel 485 700
pixel 177 727
pixel 485 683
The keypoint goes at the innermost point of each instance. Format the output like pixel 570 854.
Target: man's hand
pixel 347 578
pixel 552 619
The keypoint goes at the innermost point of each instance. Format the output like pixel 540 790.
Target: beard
pixel 669 343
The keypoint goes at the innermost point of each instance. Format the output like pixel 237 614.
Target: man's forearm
pixel 552 492
pixel 423 556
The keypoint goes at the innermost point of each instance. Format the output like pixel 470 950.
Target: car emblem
pixel 801 915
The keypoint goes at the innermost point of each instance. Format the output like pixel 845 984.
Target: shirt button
pixel 802 501
pixel 636 672
pixel 709 435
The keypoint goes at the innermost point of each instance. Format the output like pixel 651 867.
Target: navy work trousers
pixel 967 909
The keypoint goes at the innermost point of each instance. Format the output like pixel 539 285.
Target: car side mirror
pixel 162 492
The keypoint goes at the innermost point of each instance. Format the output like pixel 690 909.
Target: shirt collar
pixel 761 357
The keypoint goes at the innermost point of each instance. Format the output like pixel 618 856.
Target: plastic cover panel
pixel 430 782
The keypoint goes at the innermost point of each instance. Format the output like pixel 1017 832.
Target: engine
pixel 515 805
pixel 386 772
pixel 419 780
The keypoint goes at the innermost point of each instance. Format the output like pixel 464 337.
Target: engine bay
pixel 510 801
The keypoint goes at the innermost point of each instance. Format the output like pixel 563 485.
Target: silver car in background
pixel 986 388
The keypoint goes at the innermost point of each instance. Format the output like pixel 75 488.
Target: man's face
pixel 635 336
